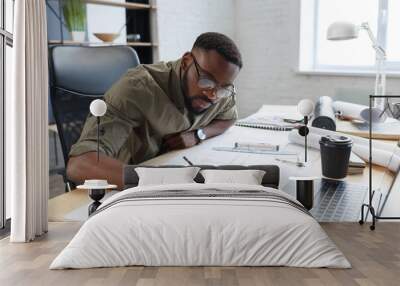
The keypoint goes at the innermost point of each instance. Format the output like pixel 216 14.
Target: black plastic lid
pixel 334 140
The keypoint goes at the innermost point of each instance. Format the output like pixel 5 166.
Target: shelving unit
pixel 132 44
pixel 138 22
pixel 138 14
pixel 142 44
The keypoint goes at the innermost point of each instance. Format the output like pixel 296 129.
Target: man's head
pixel 208 71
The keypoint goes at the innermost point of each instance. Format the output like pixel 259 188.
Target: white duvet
pixel 190 231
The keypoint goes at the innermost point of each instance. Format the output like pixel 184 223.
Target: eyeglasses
pixel 205 82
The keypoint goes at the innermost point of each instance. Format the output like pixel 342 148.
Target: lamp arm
pixel 378 48
pixel 380 81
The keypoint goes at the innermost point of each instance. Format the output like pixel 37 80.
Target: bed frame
pixel 270 179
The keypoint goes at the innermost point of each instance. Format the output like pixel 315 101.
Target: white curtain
pixel 27 123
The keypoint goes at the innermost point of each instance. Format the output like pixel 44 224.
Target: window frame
pixel 6 39
pixel 310 64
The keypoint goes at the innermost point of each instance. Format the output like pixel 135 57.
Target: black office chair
pixel 78 75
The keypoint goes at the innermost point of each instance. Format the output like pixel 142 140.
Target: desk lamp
pixel 339 31
pixel 305 108
pixel 98 108
pixel 97 188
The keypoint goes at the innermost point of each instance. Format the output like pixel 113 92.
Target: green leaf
pixel 74 14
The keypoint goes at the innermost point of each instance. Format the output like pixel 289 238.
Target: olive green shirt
pixel 145 105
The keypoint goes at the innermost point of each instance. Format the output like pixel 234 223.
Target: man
pixel 160 107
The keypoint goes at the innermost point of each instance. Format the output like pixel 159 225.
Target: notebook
pixel 263 121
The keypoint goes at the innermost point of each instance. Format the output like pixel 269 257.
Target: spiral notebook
pixel 263 121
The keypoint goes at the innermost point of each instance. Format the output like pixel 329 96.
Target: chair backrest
pixel 78 75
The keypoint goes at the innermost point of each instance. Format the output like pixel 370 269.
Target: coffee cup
pixel 335 155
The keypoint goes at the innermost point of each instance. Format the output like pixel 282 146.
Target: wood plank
pixel 374 255
pixel 69 42
pixel 127 5
pixel 142 44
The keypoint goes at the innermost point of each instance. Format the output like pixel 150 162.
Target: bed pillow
pixel 248 177
pixel 163 176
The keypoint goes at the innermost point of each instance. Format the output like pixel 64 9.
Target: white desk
pixel 204 154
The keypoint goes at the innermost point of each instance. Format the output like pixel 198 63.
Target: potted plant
pixel 75 18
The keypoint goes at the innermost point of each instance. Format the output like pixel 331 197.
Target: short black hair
pixel 222 44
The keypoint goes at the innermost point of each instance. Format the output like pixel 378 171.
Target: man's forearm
pixel 85 167
pixel 217 127
pixel 188 138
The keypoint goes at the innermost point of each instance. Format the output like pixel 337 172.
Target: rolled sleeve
pixel 114 132
pixel 84 147
pixel 116 125
pixel 228 111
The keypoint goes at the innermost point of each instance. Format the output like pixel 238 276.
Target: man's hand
pixel 180 141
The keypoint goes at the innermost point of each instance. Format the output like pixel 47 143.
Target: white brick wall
pixel 179 22
pixel 267 33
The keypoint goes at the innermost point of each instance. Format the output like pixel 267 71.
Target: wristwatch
pixel 200 135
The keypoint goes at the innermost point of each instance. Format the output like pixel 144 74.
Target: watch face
pixel 201 134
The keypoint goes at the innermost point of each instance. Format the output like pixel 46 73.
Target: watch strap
pixel 198 140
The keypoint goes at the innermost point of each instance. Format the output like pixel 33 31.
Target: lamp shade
pixel 338 31
pixel 98 107
pixel 305 107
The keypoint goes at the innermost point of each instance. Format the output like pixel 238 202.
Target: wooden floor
pixel 375 257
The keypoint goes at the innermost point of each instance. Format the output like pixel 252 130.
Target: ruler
pixel 254 151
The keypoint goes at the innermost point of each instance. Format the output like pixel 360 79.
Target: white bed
pixel 185 230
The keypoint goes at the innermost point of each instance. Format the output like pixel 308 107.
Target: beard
pixel 190 99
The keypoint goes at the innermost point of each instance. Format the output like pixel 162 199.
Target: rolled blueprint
pixel 324 115
pixel 356 139
pixel 381 152
pixel 358 111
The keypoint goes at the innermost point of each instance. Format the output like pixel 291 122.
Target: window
pixel 6 43
pixel 317 54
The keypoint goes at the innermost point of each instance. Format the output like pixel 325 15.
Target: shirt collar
pixel 176 87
